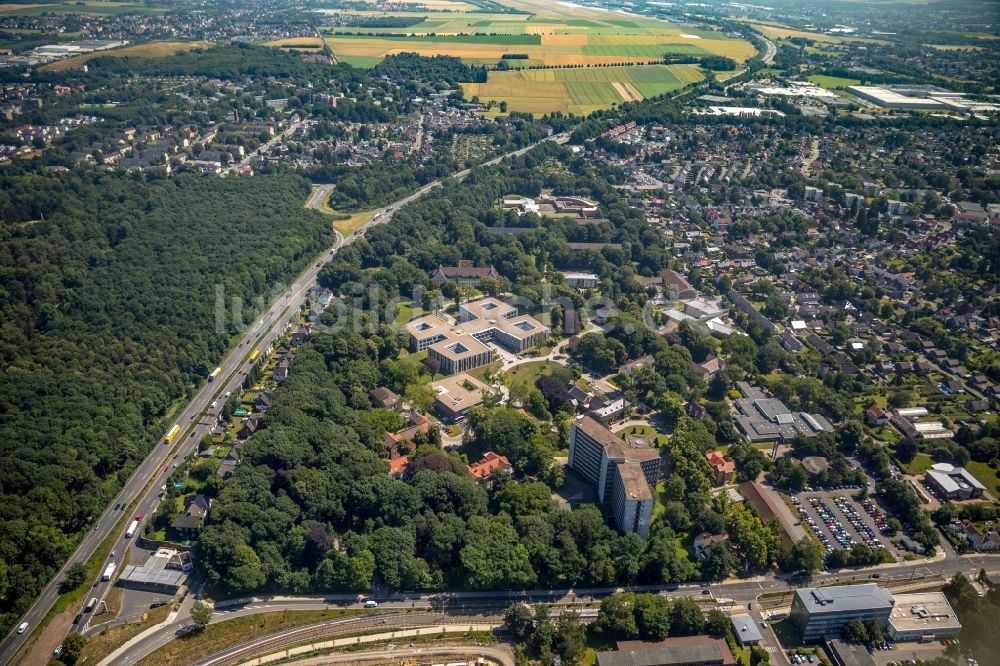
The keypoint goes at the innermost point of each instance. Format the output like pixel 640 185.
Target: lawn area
pixel 652 436
pixel 348 224
pixel 920 464
pixel 832 82
pixel 219 635
pixel 986 475
pixel 523 377
pixel 407 312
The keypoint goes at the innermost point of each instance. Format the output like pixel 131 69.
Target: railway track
pixel 334 628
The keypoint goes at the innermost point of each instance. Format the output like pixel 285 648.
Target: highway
pixel 143 486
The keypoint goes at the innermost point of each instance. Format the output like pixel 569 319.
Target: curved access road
pixel 195 420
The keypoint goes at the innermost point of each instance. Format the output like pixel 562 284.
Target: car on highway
pixel 23 627
pixel 138 516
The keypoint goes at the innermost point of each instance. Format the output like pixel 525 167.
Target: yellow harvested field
pixel 730 48
pixel 298 42
pixel 564 40
pixel 955 47
pixel 11 7
pixel 150 50
pixel 627 92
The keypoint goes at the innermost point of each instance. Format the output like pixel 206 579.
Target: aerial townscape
pixel 499 332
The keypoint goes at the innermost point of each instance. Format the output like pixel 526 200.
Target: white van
pixel 23 627
pixel 371 604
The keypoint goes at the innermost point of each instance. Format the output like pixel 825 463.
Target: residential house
pixel 724 469
pixel 250 426
pixel 281 369
pixel 263 402
pixel 490 464
pixel 981 540
pixel 228 465
pixel 187 524
pixel 704 542
pixel 384 398
pixel 876 415
pixel 708 369
pixel 631 366
pixel 398 465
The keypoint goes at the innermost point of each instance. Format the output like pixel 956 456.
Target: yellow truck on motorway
pixel 173 433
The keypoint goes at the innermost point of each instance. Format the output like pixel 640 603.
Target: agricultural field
pixel 150 50
pixel 551 35
pixel 300 44
pixel 88 7
pixel 579 90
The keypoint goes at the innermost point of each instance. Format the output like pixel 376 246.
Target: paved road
pixel 770 50
pixel 194 422
pixel 318 196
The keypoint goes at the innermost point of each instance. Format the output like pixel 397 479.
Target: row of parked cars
pixel 876 514
pixel 866 533
pixel 801 658
pixel 836 528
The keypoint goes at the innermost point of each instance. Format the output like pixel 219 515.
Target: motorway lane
pixel 194 427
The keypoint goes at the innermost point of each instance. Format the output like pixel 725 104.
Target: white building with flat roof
pixel 923 616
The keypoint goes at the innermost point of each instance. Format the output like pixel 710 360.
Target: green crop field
pixel 580 90
pixel 550 35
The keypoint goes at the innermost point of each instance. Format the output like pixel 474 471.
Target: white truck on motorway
pixel 130 532
pixel 109 571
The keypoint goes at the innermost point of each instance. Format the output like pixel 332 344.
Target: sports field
pixel 552 34
pixel 579 90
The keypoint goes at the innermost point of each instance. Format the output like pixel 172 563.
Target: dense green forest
pixel 107 316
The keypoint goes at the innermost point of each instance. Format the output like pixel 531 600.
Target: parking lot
pixel 839 521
